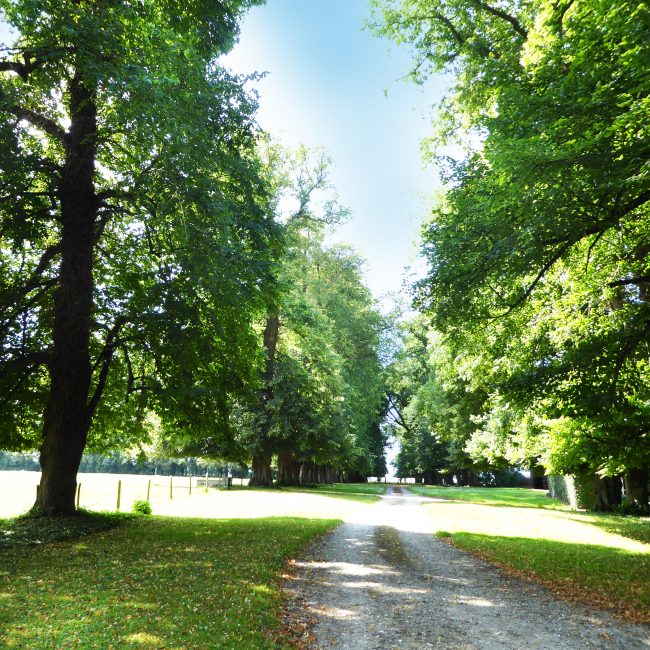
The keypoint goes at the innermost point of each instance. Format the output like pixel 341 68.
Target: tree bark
pixel 67 414
pixel 608 492
pixel 288 469
pixel 262 475
pixel 636 486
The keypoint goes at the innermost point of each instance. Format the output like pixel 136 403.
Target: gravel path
pixel 381 580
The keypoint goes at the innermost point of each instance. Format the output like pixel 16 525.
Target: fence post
pixel 190 484
pixel 78 494
pixel 148 489
pixel 119 493
pixel 206 480
pixel 171 493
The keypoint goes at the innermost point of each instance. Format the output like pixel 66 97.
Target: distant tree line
pixel 118 463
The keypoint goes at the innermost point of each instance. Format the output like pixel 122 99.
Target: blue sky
pixel 325 87
pixel 331 84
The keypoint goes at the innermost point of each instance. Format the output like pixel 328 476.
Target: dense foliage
pixel 140 244
pixel 136 242
pixel 319 408
pixel 538 284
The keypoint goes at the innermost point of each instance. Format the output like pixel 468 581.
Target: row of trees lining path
pixel 532 344
pixel 149 284
pixel 157 291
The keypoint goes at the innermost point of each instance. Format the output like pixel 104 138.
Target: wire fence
pixel 107 491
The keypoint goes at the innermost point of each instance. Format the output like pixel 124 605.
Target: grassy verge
pixel 366 492
pixel 153 582
pixel 637 528
pixel 362 492
pixel 600 560
pixel 510 497
pixel 632 527
pixel 610 578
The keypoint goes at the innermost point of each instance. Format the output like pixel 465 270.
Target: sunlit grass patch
pixel 367 492
pixel 569 552
pixel 362 492
pixel 154 582
pixel 633 527
pixel 512 497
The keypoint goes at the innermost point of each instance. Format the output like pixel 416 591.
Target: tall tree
pixel 134 235
pixel 320 404
pixel 538 251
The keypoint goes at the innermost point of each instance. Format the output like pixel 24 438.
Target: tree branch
pixel 105 359
pixel 499 13
pixel 35 119
pixel 522 298
pixel 642 279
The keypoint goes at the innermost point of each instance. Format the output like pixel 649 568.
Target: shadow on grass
pixel 608 577
pixel 30 530
pixel 153 582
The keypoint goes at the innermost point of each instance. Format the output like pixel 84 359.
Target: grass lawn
pixel 596 559
pixel 366 492
pixel 511 497
pixel 153 582
pixel 360 492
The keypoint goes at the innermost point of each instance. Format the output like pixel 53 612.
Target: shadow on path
pixel 382 580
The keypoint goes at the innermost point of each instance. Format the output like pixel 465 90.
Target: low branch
pixel 642 279
pixel 41 122
pixel 105 359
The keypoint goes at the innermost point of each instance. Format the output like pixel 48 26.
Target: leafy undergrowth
pixel 509 497
pixel 154 582
pixel 610 578
pixel 28 530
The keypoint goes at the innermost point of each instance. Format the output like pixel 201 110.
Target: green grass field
pixel 598 559
pixel 511 497
pixel 157 582
pixel 153 582
pixel 364 492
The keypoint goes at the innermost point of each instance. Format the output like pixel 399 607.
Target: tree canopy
pixel 145 254
pixel 135 233
pixel 538 256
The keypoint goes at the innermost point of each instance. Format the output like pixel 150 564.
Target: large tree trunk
pixel 608 492
pixel 288 469
pixel 636 486
pixel 68 413
pixel 262 475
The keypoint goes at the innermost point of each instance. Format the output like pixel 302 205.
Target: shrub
pixel 141 508
pixel 632 509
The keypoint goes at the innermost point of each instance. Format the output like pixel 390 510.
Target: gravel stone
pixel 383 581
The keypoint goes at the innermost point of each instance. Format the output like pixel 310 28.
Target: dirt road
pixel 382 580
